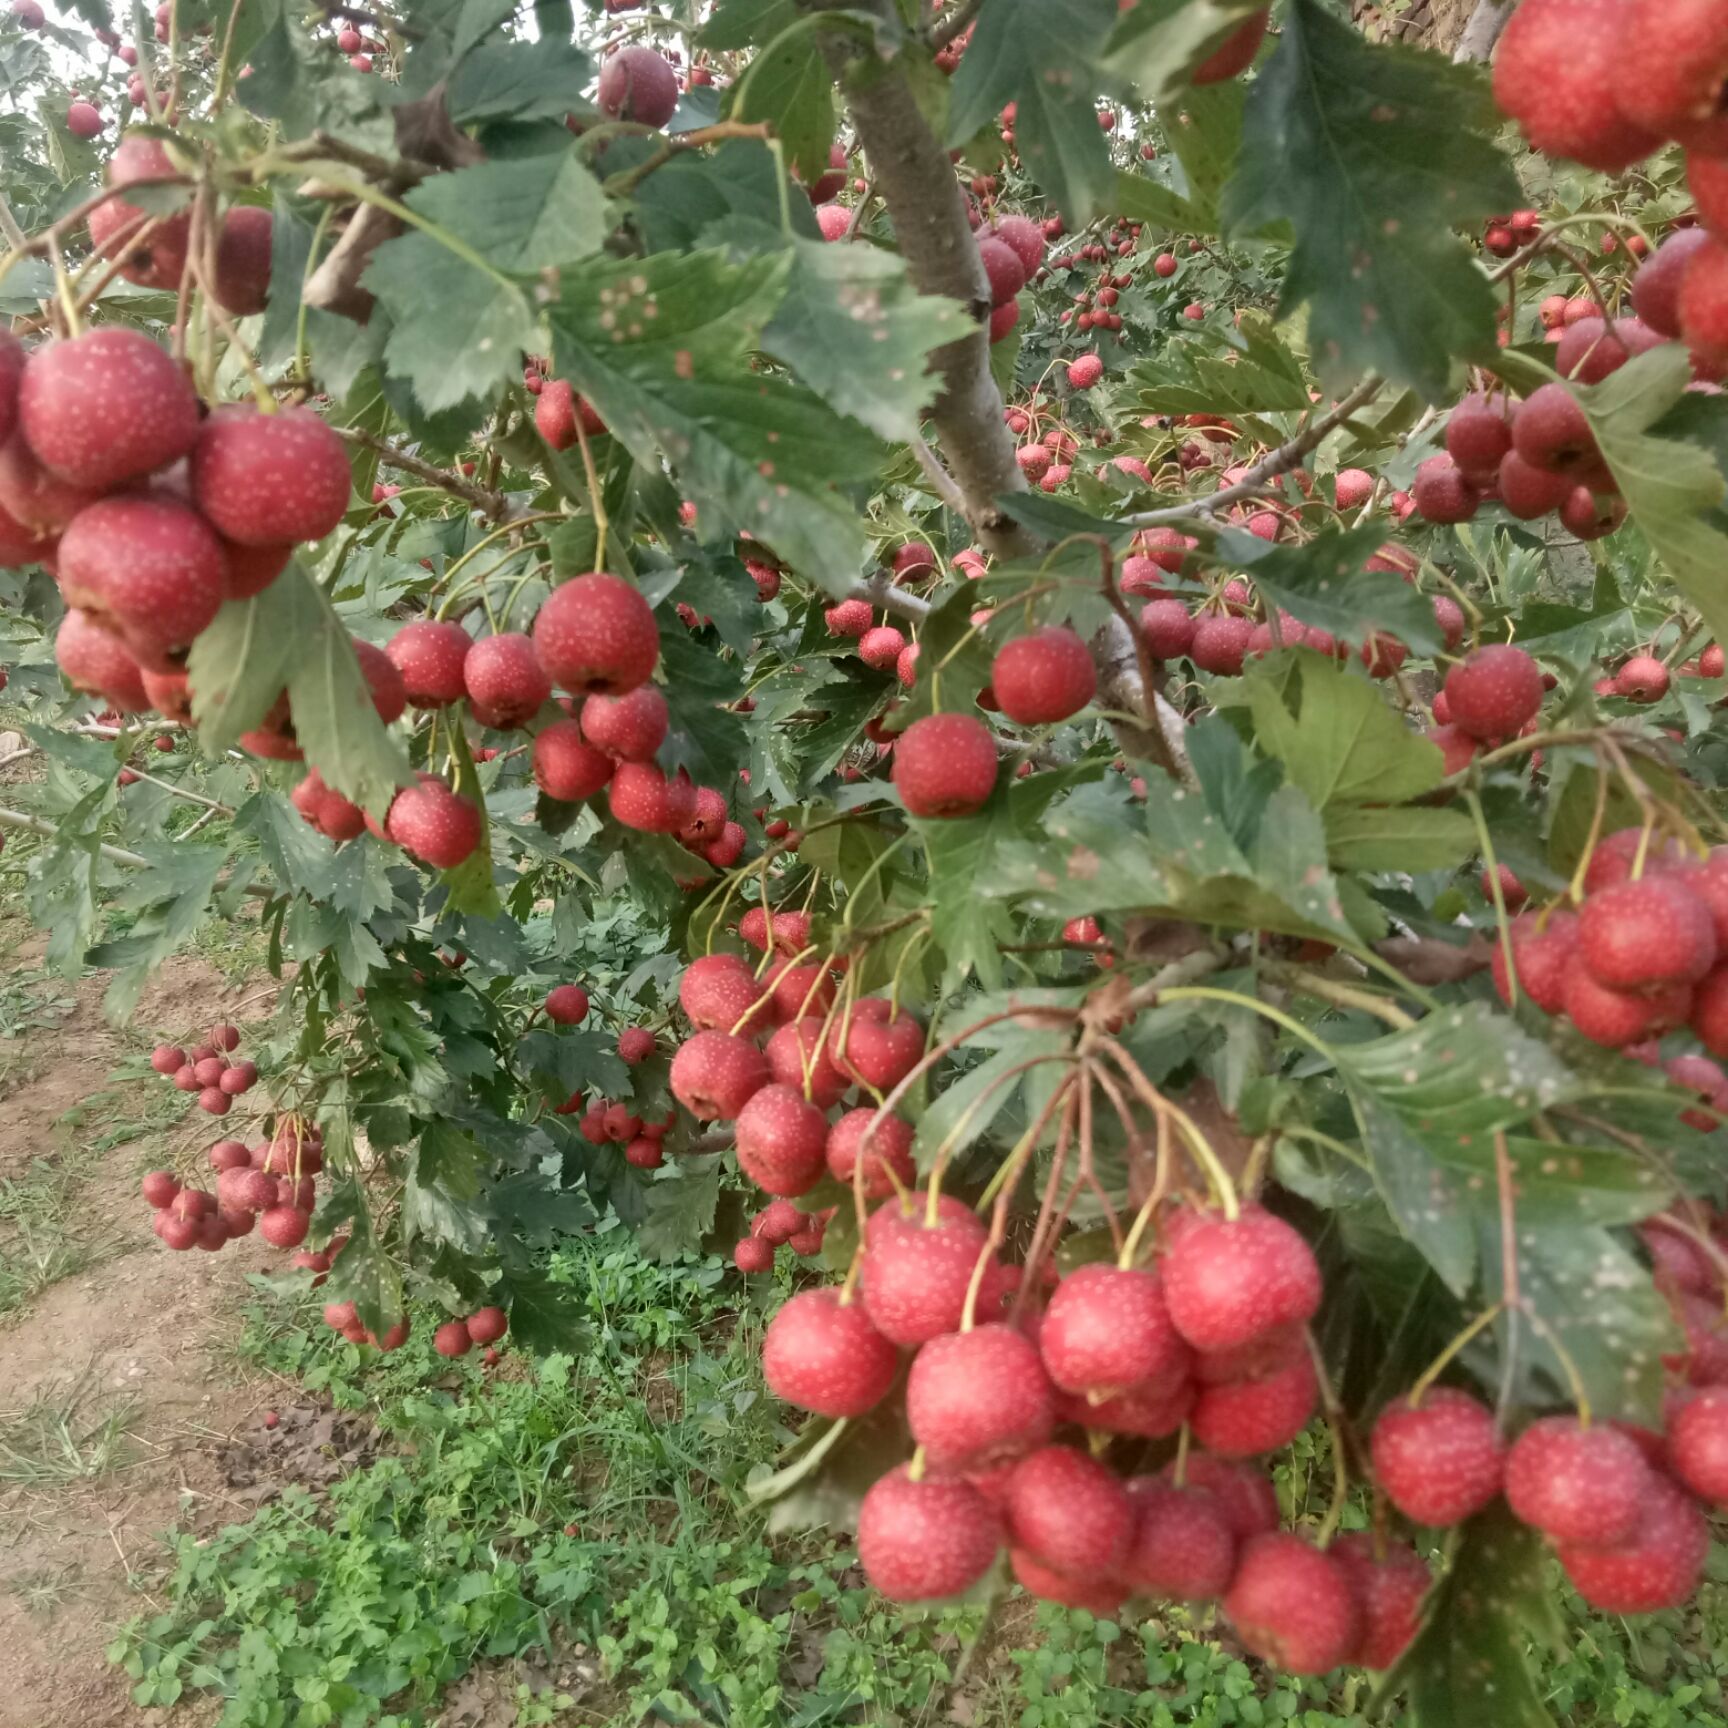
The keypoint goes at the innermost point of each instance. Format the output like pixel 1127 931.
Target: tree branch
pixel 1483 31
pixel 493 504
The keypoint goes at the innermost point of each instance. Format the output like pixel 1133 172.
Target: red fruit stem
pixel 1337 1426
pixel 1088 1168
pixel 1491 869
pixel 1217 1176
pixel 1005 1181
pixel 946 1150
pixel 1050 1217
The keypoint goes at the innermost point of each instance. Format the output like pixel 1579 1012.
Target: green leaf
pixel 1493 1602
pixel 746 23
pixel 1671 487
pixel 334 720
pixel 727 197
pixel 680 1210
pixel 1337 736
pixel 1140 198
pixel 661 346
pixel 544 1315
pixel 574 1061
pixel 855 330
pixel 1157 43
pixel 518 81
pixel 470 886
pixel 1375 155
pixel 788 84
pixel 1323 583
pixel 457 330
pixel 239 666
pixel 705 738
pixel 1411 838
pixel 1247 371
pixel 1040 54
pixel 523 216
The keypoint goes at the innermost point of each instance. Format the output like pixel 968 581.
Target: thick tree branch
pixel 915 180
pixel 1483 30
pixel 493 504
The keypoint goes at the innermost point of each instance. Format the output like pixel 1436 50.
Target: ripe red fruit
pixel 1099 1596
pixel 1293 1606
pixel 1235 53
pixel 1558 71
pixel 1069 1511
pixel 1043 677
pixel 879 1051
pixel 1656 287
pixel 880 646
pixel 1478 436
pixel 1181 1549
pixel 270 479
pixel 1642 679
pixel 284 1226
pixel 1703 304
pixel 1442 492
pixel 848 618
pixel 1168 627
pixel 106 407
pixel 1551 432
pixel 1494 693
pixel 1529 492
pixel 488 1325
pixel 635 1044
pixel 452 1339
pixel 1108 1329
pixel 567 1004
pixel 1004 271
pixel 641 797
pixel 505 681
pixel 242 284
pixel 157 260
pixel 439 827
pixel 945 766
pixel 631 727
pixel 1439 1461
pixel 1220 643
pixel 753 1255
pixel 780 1137
pixel 1540 954
pixel 638 84
pixel 915 1276
pixel 147 567
pixel 1228 1283
pixel 890 1146
pixel 1084 372
pixel 644 1154
pixel 430 653
pixel 1243 1494
pixel 975 1398
pixel 1673 70
pixel 1658 1568
pixel 559 412
pixel 327 810
pixel 1577 1484
pixel 824 1356
pixel 1644 934
pixel 1390 1591
pixel 924 1540
pixel 565 766
pixel 717 991
pixel 159 1188
pixel 596 633
pixel 167 1059
pixel 383 681
pixel 1697 1442
pixel 714 1075
pixel 1242 1418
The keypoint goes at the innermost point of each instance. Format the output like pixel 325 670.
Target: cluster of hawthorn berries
pixel 1639 955
pixel 1211 1336
pixel 207 1070
pixel 1609 82
pixel 272 1185
pixel 485 1326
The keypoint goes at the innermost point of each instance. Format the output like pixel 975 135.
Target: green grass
pixel 588 1512
pixel 67 1435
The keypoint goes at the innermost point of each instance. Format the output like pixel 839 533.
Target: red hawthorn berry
pixel 1242 1418
pixel 95 661
pixel 717 991
pixel 1069 1511
pixel 439 827
pixel 1391 1588
pixel 1443 493
pixel 566 766
pixel 488 1325
pixel 1228 1282
pixel 631 727
pixel 1672 70
pixel 1697 1443
pixel 1108 1329
pixel 1577 1484
pixel 1044 677
pixel 596 634
pixel 430 654
pixel 915 1276
pixel 945 766
pixel 1478 436
pixel 641 797
pixel 1552 432
pixel 1540 953
pixel 1441 1461
pixel 975 1398
pixel 452 1339
pixel 1644 934
pixel 1100 1596
pixel 921 1540
pixel 781 1137
pixel 270 479
pixel 1559 70
pixel 714 1075
pixel 1219 643
pixel 505 681
pixel 106 407
pixel 1168 627
pixel 1294 1606
pixel 823 1355
pixel 1494 693
pixel 1656 287
pixel 637 84
pixel 1182 1548
pixel 1658 1568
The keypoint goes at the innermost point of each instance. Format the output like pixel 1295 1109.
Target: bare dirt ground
pixel 121 1408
